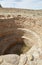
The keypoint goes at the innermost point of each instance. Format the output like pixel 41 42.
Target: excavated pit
pixel 14 43
pixel 15 37
pixel 18 48
pixel 20 37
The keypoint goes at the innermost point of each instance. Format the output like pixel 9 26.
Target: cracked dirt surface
pixel 20 37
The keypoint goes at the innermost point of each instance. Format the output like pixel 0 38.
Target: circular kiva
pixel 31 36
